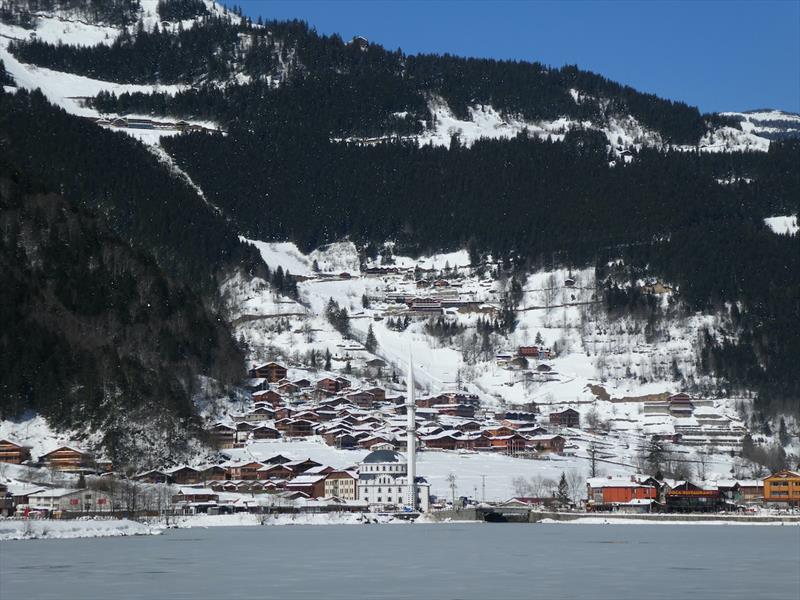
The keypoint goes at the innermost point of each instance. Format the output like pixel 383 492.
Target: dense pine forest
pixel 94 334
pixel 111 173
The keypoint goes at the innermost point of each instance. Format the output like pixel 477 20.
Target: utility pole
pixel 483 488
pixel 451 479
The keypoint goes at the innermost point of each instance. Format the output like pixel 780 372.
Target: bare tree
pixel 576 482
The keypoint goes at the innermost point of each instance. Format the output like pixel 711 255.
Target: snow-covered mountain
pixel 607 362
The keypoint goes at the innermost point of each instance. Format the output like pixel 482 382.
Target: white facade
pixel 62 499
pixel 383 482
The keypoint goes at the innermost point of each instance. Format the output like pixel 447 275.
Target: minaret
pixel 411 433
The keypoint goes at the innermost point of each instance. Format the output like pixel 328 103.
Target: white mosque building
pixel 383 482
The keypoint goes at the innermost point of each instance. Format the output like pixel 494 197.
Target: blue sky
pixel 715 55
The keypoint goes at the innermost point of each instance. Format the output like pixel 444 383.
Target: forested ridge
pixel 364 85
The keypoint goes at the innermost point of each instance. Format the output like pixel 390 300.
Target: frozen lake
pixel 413 561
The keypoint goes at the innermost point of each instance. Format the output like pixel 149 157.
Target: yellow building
pixel 783 486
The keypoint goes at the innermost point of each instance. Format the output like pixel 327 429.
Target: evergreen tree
pixel 783 433
pixel 327 359
pixel 371 343
pixel 563 489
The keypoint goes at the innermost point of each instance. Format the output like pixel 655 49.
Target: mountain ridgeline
pixel 363 89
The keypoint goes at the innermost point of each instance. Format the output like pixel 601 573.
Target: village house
pixel 275 472
pixel 153 476
pixel 342 484
pixel 288 388
pixel 299 428
pixel 362 399
pixel 680 405
pixel 566 418
pixel 328 384
pixel 548 443
pixel 14 453
pixel 268 396
pixel 312 486
pixel 195 499
pixel 265 432
pixel 271 371
pixel 783 487
pixel 69 500
pixel 688 497
pixel 67 458
pixel 619 494
pixel 466 411
pixel 245 471
pixel 184 475
pixel 214 473
pixel 222 435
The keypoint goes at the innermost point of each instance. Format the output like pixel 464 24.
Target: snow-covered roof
pixel 54 493
pixel 194 491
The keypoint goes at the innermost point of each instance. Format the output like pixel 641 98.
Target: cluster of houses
pixel 648 494
pixel 347 417
pixel 378 482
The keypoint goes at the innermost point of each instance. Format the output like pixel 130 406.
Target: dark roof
pixel 383 456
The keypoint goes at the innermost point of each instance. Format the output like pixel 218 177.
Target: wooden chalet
pixel 379 393
pixel 275 472
pixel 246 471
pixel 299 428
pixel 362 399
pixel 222 435
pixel 185 475
pixel 14 453
pixel 67 458
pixel 265 432
pixel 301 466
pixel 566 418
pixel 328 384
pixel 271 371
pixel 312 486
pixel 269 396
pixel 548 443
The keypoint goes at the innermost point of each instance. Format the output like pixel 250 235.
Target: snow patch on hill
pixel 785 225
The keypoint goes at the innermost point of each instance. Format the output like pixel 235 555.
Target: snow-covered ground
pixel 28 529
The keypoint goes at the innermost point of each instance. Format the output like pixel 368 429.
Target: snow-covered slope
pixel 769 124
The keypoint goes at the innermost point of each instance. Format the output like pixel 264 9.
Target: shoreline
pixel 43 529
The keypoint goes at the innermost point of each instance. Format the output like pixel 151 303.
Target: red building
pixel 619 493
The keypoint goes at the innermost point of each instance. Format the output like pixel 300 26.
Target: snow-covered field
pixel 28 529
